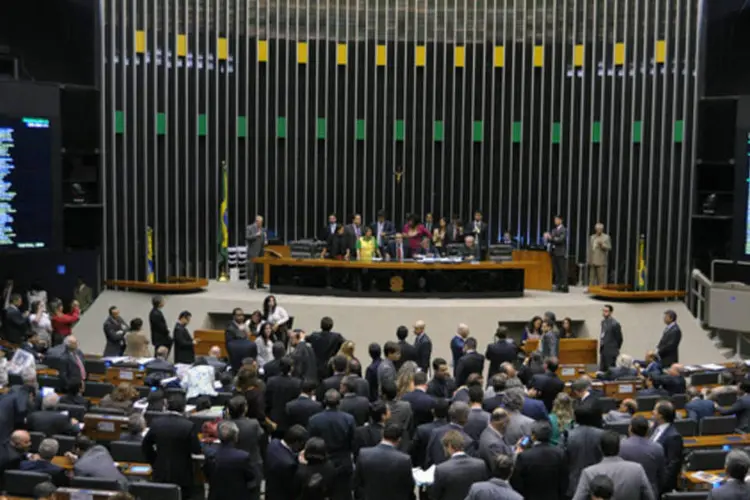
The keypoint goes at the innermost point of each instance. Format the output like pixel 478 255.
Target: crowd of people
pixel 305 418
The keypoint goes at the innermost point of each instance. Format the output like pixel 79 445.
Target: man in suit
pixel 610 339
pixel 272 368
pixel 673 382
pixel 519 425
pixel 670 440
pixel 458 415
pixel 160 363
pixel 353 232
pixel 170 444
pixel 236 328
pixel 454 476
pixel 548 385
pixel 741 407
pixel 94 460
pixel 423 345
pixel 48 449
pixel 470 362
pixel 598 255
pixel 228 470
pixel 71 365
pixel 305 365
pixel 623 370
pixel 377 463
pixel 158 323
pixel 115 329
pixel 421 403
pixel 387 368
pixel 669 344
pixel 326 343
pixel 534 408
pixel 281 463
pixel 541 469
pixel 441 385
pixel 423 432
pixel 557 241
pixel 580 391
pixel 629 478
pixel 299 411
pixel 184 345
pixel 582 448
pixel 256 238
pixel 353 404
pixel 622 413
pixel 329 229
pixel 382 229
pixel 336 428
pixel 51 422
pixel 697 407
pixel 239 349
pixel 737 464
pixel 494 397
pixel 15 322
pixel 651 388
pixel 639 449
pixel 339 364
pixel 498 487
pixel 478 229
pixel 251 435
pixel 14 451
pixel 371 433
pixel 398 250
pixel 470 250
pixel 454 232
pixel 408 351
pixel 280 390
pixel 501 351
pixel 429 222
pixel 478 418
pixel 549 344
pixel 492 440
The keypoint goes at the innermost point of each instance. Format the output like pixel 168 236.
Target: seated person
pixel 726 386
pixel 73 396
pixel 470 250
pixel 214 359
pixel 122 397
pixel 44 491
pixel 426 249
pixel 34 346
pixel 94 460
pixel 651 389
pixel 697 407
pixel 198 382
pixel 507 239
pixel 397 249
pixel 623 413
pixel 42 462
pixel 157 400
pixel 624 369
pixel 740 408
pixel 673 382
pixel 736 464
pixel 653 364
pixel 49 421
pixel 136 426
pixel 160 361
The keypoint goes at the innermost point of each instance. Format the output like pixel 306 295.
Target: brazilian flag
pixel 224 218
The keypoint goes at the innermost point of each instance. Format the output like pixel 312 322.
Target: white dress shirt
pixel 265 350
pixel 658 432
pixel 278 317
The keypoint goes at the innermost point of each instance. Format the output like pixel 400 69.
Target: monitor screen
pixel 26 197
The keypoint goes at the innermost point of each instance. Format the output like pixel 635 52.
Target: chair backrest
pixel 75 411
pixel 95 483
pixel 221 399
pixel 107 410
pixel 151 415
pixel 679 401
pixel 50 381
pixel 143 391
pixel 706 460
pixel 687 427
pixel 155 491
pixel 608 404
pixel 21 483
pixel 710 426
pixel 126 451
pixel 36 439
pixel 619 427
pixel 97 389
pixel 704 378
pixel 97 366
pixel 686 495
pixel 647 403
pixel 66 443
pixel 726 398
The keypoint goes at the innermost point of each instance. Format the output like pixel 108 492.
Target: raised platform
pixel 626 293
pixel 173 285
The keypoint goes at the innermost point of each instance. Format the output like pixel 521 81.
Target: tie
pixel 80 366
pixel 455 232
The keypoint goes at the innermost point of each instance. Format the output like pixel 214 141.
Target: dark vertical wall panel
pixel 518 108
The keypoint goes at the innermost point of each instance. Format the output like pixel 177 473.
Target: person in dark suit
pixel 667 436
pixel 737 464
pixel 73 396
pixel 34 346
pixel 236 328
pixel 548 385
pixel 584 396
pixel 470 250
pixel 697 407
pixel 353 232
pixel 228 470
pixel 305 364
pixel 256 238
pixel 325 343
pixel 184 345
pixel 49 421
pixel 170 444
pixel 470 362
pixel 158 323
pixel 273 368
pixel 498 385
pixel 115 329
pixel 458 415
pixel 251 437
pixel 15 323
pixel 339 364
pixel 48 449
pixel 478 229
pixel 423 345
pixel 281 463
pixel 370 434
pixel 336 428
pixel 422 404
pixel 423 432
pixel 651 389
pixel 623 370
pixel 397 249
pixel 160 363
pixel 280 390
pixel 71 366
pixel 316 477
pixel 441 385
pixel 610 339
pixel 498 487
pixel 557 241
pixel 385 461
pixel 454 477
pixel 501 351
pixel 353 404
pixel 329 229
pixel 673 382
pixel 371 373
pixel 239 349
pixel 299 411
pixel 541 460
pixel 582 448
pixel 534 408
pixel 638 448
pixel 478 418
pixel 382 229
pixel 741 407
pixel 408 351
pixel 669 344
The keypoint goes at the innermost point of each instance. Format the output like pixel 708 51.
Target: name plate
pixel 568 372
pixel 625 388
pixel 126 375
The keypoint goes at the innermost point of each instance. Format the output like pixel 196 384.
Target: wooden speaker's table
pixel 393 279
pixel 572 351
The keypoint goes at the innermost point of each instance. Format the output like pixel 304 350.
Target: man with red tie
pixel 397 250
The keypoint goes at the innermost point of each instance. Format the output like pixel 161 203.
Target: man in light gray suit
pixel 492 441
pixel 629 478
pixel 737 464
pixel 519 425
pixel 549 344
pixel 498 487
pixel 256 240
pixel 641 450
pixel 557 241
pixel 454 477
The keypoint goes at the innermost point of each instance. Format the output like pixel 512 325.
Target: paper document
pixel 423 477
pixel 713 366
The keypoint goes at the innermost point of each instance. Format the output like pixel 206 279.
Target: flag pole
pixel 224 225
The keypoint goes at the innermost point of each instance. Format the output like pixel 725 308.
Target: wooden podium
pixel 572 351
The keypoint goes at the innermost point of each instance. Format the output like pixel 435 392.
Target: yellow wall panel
pixel 341 54
pixel 619 54
pixel 499 56
pixel 262 51
pixel 539 56
pixel 579 54
pixel 420 55
pixel 222 49
pixel 302 52
pixel 140 42
pixel 660 51
pixel 459 57
pixel 381 55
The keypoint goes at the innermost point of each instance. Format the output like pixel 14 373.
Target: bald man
pixel 457 344
pixel 598 255
pixel 14 451
pixel 423 344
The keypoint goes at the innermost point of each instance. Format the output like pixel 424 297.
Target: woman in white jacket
pixel 40 322
pixel 264 341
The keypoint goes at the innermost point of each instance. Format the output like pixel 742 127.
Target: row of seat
pixel 647 403
pixel 121 451
pixel 688 427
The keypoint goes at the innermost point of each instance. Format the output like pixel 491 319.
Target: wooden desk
pixel 692 482
pixel 649 414
pixel 572 351
pixel 540 276
pixel 125 467
pixel 104 427
pixel 207 339
pixel 717 441
pixel 117 375
pixel 69 493
pixel 570 372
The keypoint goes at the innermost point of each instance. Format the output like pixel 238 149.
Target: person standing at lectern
pixel 557 239
pixel 478 229
pixel 354 233
pixel 598 256
pixel 256 240
pixel 610 339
